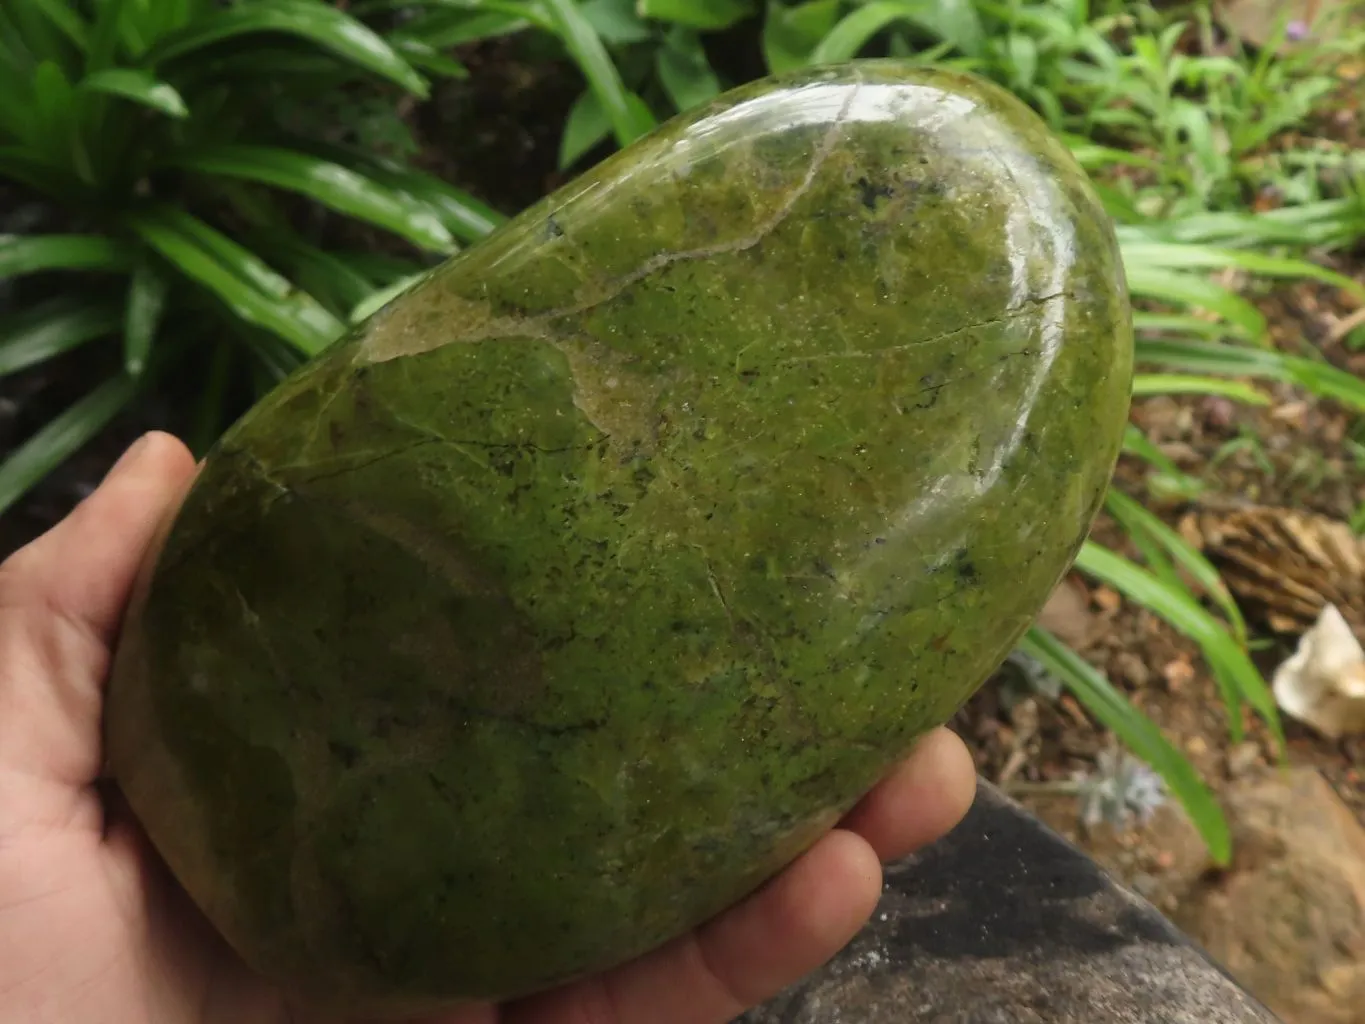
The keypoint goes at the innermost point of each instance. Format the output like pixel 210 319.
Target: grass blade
pixel 1137 732
pixel 427 57
pixel 28 254
pixel 297 318
pixel 326 26
pixel 465 217
pixel 856 28
pixel 138 86
pixel 703 14
pixel 377 300
pixel 791 34
pixel 1169 479
pixel 1138 520
pixel 62 437
pixel 1183 384
pixel 66 20
pixel 1191 290
pixel 329 183
pixel 626 112
pixel 1193 256
pixel 334 282
pixel 1178 323
pixel 51 328
pixel 146 303
pixel 1321 379
pixel 445 29
pixel 1237 677
pixel 585 128
pixel 684 71
pixel 1329 223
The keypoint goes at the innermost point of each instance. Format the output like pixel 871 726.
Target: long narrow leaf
pixel 67 21
pixel 330 184
pixel 444 29
pixel 1329 223
pixel 28 254
pixel 326 26
pixel 377 300
pixel 138 86
pixel 1177 323
pixel 1182 384
pixel 112 24
pixel 1192 256
pixel 333 281
pixel 1190 289
pixel 51 328
pixel 57 109
pixel 703 14
pixel 1155 559
pixel 1320 379
pixel 298 319
pixel 1238 678
pixel 627 113
pixel 223 249
pixel 1137 732
pixel 146 302
pixel 791 34
pixel 423 55
pixel 1136 519
pixel 62 437
pixel 684 71
pixel 464 216
pixel 856 28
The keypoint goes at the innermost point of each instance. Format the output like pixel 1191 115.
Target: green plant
pixel 154 131
pixel 124 111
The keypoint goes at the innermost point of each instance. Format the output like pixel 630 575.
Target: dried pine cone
pixel 1284 566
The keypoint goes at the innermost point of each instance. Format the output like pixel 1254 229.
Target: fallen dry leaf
pixel 1285 566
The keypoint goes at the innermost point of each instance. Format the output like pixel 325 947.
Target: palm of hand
pixel 93 929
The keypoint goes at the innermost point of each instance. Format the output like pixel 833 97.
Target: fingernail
pixel 130 456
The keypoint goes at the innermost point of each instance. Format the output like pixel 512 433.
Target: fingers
pixel 746 955
pixel 83 568
pixel 920 801
pixel 792 925
pixel 61 598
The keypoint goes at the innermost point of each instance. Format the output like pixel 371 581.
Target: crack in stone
pixel 1018 312
pixel 715 587
pixel 537 326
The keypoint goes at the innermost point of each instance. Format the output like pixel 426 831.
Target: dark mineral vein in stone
pixel 589 582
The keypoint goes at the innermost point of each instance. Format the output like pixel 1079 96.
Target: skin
pixel 92 928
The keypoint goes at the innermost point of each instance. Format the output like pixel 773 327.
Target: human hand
pixel 93 929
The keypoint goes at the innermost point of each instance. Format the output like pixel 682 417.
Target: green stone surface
pixel 591 581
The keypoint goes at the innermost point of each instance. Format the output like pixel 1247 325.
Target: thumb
pixel 61 598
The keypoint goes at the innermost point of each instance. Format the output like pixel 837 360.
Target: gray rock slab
pixel 1005 922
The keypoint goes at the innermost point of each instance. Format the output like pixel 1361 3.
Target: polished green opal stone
pixel 592 580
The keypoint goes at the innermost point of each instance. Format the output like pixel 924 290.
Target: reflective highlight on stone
pixel 592 580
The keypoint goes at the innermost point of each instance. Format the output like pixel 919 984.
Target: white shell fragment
pixel 1323 683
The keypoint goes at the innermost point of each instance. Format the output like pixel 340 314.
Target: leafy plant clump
pixel 172 143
